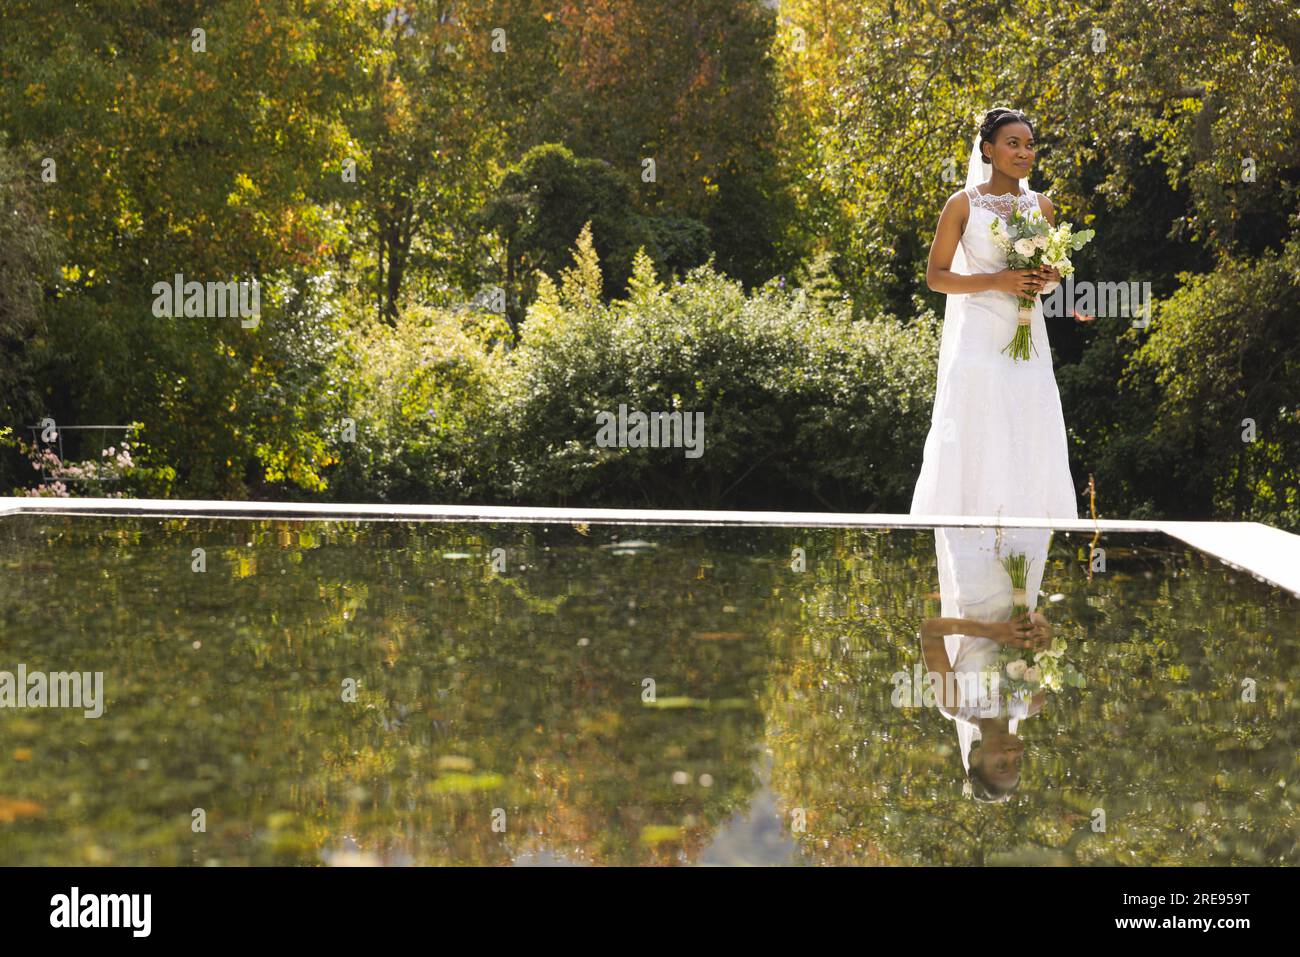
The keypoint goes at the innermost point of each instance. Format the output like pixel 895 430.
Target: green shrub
pixel 1224 352
pixel 419 394
pixel 803 407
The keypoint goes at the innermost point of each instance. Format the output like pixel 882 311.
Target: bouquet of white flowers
pixel 1030 241
pixel 1048 672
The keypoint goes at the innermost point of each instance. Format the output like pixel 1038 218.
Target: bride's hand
pixel 1018 282
pixel 1042 633
pixel 1017 633
pixel 1049 274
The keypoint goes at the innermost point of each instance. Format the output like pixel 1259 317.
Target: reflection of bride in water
pixel 977 597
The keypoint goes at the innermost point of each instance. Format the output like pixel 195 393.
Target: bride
pixel 996 444
pixel 977 601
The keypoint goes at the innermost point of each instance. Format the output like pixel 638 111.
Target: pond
pixel 347 692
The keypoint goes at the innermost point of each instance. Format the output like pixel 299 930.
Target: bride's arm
pixel 938 271
pixel 1018 632
pixel 937 666
pixel 933 628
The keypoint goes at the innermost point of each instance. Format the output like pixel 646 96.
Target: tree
pixel 29 257
pixel 543 202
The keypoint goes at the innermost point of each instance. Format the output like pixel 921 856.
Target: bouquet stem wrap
pixel 1023 341
pixel 1017 567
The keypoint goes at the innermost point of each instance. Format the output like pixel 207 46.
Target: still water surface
pixel 428 693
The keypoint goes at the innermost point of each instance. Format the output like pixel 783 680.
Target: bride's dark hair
pixel 997 117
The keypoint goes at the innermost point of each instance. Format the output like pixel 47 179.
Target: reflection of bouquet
pixel 1048 672
pixel 1017 680
pixel 1030 241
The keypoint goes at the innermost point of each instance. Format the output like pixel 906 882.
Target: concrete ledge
pixel 1268 553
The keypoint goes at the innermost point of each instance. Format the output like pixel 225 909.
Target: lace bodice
pixel 1002 204
pixel 981 254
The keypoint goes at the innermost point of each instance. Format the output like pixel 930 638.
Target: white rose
pixel 1016 669
pixel 1025 246
pixel 1031 675
pixel 1041 242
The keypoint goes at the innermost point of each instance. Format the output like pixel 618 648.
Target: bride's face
pixel 1012 150
pixel 1001 754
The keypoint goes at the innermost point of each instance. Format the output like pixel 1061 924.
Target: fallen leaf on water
pixel 720 635
pixel 460 783
pixel 22 754
pixel 11 809
pixel 653 834
pixel 679 701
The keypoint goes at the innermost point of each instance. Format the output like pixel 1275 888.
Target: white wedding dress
pixel 975 585
pixel 997 443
